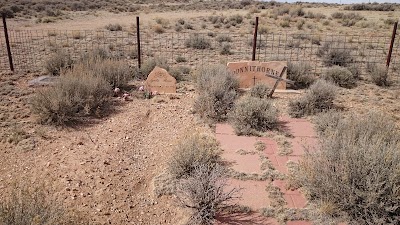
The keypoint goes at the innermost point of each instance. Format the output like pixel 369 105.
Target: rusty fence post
pixel 389 56
pixel 138 43
pixel 10 60
pixel 253 58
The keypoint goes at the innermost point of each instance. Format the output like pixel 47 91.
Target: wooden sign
pixel 251 73
pixel 160 81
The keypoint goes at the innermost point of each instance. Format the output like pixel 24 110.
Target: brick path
pixel 239 153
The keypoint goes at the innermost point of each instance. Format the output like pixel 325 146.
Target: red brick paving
pixel 254 194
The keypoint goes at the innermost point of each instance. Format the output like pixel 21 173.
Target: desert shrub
pixel 191 151
pixel 180 59
pixel 333 53
pixel 285 23
pixel 116 72
pixel 180 72
pixel 370 7
pixel 252 115
pixel 78 93
pixel 150 64
pixel 114 27
pixel 27 206
pixel 217 89
pixel 57 62
pixel 188 26
pixel 282 10
pixel 297 11
pixel 96 53
pixel 340 76
pixel 301 74
pixel 259 91
pixel 318 98
pixel 355 169
pixel 326 120
pixel 238 19
pixel 226 49
pixel 198 42
pixel 378 73
pixel 205 193
pixel 8 12
pixel 158 29
pixel 181 21
pixel 224 38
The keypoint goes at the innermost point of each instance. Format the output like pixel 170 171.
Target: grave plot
pixel 260 166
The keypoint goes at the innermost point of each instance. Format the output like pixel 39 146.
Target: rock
pixel 42 81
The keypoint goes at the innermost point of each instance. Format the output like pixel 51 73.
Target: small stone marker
pixel 42 81
pixel 160 81
pixel 251 73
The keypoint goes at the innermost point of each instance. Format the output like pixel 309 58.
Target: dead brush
pixel 193 150
pixel 217 89
pixel 27 206
pixel 318 98
pixel 77 94
pixel 253 115
pixel 356 170
pixel 205 193
pixel 57 62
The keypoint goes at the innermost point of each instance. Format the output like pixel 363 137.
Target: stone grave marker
pixel 251 73
pixel 160 81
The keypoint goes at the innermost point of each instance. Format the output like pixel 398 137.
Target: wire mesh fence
pixel 31 48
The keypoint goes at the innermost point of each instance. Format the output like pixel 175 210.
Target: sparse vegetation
pixel 217 89
pixel 371 7
pixel 58 61
pixel 355 170
pixel 340 76
pixel 77 94
pixel 198 42
pixel 114 27
pixel 378 73
pixel 318 98
pixel 301 74
pixel 253 115
pixel 259 91
pixel 27 206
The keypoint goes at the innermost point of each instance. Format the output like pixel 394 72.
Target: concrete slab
pixel 253 193
pixel 232 143
pixel 243 163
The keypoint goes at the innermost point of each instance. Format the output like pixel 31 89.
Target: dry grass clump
pixel 226 49
pixel 326 120
pixel 193 150
pixel 223 38
pixel 200 179
pixel 114 27
pixel 356 170
pixel 180 73
pixel 78 93
pixel 378 73
pixel 340 76
pixel 318 98
pixel 253 115
pixel 198 42
pixel 217 89
pixel 206 194
pixel 259 91
pixel 301 74
pixel 149 65
pixel 57 62
pixel 27 206
pixel 371 7
pixel 115 72
pixel 335 54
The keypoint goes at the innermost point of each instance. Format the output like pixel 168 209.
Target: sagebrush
pixel 340 76
pixel 253 115
pixel 193 150
pixel 356 170
pixel 77 94
pixel 301 74
pixel 58 61
pixel 318 98
pixel 217 92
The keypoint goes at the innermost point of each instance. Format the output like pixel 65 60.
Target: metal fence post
pixel 10 60
pixel 389 56
pixel 253 58
pixel 138 43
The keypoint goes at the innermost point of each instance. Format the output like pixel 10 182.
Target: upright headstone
pixel 160 81
pixel 251 73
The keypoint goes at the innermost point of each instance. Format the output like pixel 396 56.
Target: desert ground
pixel 105 168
